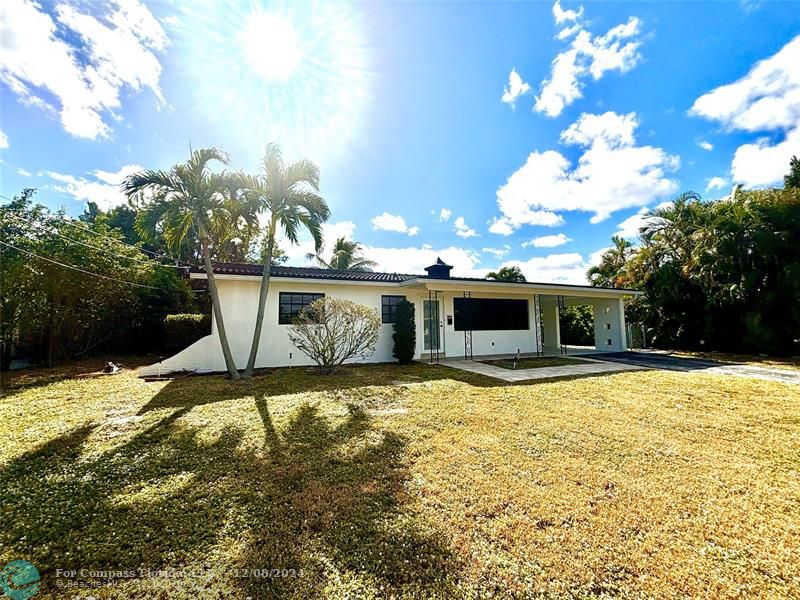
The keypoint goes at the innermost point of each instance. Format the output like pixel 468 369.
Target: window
pixel 490 314
pixel 291 303
pixel 389 307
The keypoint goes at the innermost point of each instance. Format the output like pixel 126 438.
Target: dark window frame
pixel 388 310
pixel 294 302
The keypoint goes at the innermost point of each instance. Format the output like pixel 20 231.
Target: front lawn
pixel 534 362
pixel 403 481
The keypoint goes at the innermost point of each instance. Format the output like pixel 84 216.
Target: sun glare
pixel 294 73
pixel 271 46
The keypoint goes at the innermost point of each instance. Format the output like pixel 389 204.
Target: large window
pixel 389 307
pixel 291 303
pixel 490 314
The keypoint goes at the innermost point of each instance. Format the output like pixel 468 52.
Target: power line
pixel 73 223
pixel 69 239
pixel 74 268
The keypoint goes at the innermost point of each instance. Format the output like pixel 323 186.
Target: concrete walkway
pixel 586 367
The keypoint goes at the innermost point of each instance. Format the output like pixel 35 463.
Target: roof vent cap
pixel 439 270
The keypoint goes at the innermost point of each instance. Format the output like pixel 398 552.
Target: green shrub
pixel 183 330
pixel 405 333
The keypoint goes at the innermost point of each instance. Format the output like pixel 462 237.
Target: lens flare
pixel 297 74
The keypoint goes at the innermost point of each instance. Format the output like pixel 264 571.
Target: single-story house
pixel 456 317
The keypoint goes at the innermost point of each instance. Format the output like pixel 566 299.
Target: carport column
pixel 551 331
pixel 609 325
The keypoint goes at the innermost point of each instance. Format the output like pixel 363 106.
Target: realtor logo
pixel 20 580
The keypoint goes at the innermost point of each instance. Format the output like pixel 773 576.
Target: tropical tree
pixel 792 178
pixel 346 255
pixel 189 201
pixel 512 274
pixel 288 196
pixel 611 271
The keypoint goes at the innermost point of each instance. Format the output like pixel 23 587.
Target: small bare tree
pixel 333 330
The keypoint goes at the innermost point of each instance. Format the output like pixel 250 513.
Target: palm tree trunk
pixel 215 305
pixel 262 301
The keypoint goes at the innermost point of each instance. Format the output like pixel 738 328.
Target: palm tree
pixel 288 195
pixel 611 272
pixel 346 256
pixel 188 204
pixel 512 274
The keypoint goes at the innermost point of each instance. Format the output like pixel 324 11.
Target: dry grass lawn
pixel 412 481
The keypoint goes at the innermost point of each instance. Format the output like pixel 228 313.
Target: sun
pixel 271 46
pixel 258 71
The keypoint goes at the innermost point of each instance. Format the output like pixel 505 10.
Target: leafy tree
pixel 51 311
pixel 721 275
pixel 346 255
pixel 792 179
pixel 512 274
pixel 288 195
pixel 611 272
pixel 332 330
pixel 577 325
pixel 189 204
pixel 405 333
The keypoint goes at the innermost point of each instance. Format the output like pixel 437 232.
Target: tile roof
pixel 308 273
pixel 224 268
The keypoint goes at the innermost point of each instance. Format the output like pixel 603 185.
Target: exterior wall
pixel 239 299
pixel 609 325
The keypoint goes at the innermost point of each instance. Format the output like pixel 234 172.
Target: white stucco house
pixel 456 317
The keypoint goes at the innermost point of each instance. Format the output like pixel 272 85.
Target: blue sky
pixel 489 133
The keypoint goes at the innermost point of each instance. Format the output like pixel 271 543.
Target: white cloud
pixel 547 241
pixel 445 214
pixel 587 55
pixel 612 174
pixel 716 183
pixel 414 259
pixel 762 163
pixel 497 252
pixel 3 140
pixel 560 14
pixel 554 268
pixel 23 172
pixel 708 146
pixel 102 188
pixel 516 87
pixel 82 82
pixel 766 99
pixel 462 229
pixel 390 222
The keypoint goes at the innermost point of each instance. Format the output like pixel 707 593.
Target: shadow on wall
pixel 316 499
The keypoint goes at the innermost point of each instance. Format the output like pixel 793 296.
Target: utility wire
pixel 97 233
pixel 69 239
pixel 74 268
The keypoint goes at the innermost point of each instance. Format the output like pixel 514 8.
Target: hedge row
pixel 183 330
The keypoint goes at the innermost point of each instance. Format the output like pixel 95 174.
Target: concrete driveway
pixel 658 360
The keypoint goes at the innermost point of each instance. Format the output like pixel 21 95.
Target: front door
pixel 430 324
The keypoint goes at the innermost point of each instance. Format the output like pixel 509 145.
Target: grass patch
pixel 415 481
pixel 535 362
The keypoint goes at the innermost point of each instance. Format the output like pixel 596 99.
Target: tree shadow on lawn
pixel 322 499
pixel 206 389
